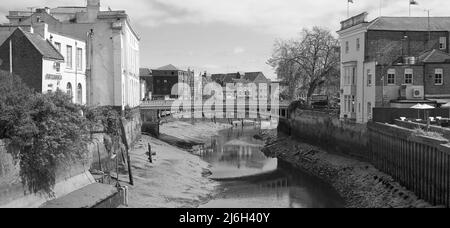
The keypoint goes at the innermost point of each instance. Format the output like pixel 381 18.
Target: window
pixel 69 89
pixel 57 66
pixel 408 76
pixel 353 104
pixel 369 111
pixel 80 94
pixel 50 88
pixel 443 43
pixel 79 59
pixel 58 46
pixel 369 78
pixel 358 44
pixel 69 57
pixel 391 77
pixel 438 76
pixel 346 47
pixel 353 76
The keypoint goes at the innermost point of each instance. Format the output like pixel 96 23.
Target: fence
pixel 417 162
pixel 389 115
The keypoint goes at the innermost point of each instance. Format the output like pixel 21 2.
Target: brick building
pixel 166 78
pixel 383 63
pixel 46 61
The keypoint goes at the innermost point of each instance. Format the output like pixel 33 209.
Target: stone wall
pixel 70 176
pixel 327 131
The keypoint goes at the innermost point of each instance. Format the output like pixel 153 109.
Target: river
pixel 249 179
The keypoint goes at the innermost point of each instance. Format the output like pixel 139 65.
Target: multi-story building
pixel 230 82
pixel 380 62
pixel 166 79
pixel 46 61
pixel 112 48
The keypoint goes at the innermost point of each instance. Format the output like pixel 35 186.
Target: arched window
pixel 69 89
pixel 80 94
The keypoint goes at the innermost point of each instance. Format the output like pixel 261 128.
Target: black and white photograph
pixel 229 105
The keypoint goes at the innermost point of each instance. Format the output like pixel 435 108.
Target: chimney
pixel 41 29
pixel 93 7
pixel 43 10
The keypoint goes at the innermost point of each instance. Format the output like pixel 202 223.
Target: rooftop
pixel 44 47
pixel 169 67
pixel 434 56
pixel 145 72
pixel 410 24
pixel 398 23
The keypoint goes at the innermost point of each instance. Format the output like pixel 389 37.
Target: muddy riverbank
pixel 176 178
pixel 359 183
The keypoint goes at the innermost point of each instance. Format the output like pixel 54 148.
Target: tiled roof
pixel 44 47
pixel 410 24
pixel 145 72
pixel 434 56
pixel 169 67
pixel 251 76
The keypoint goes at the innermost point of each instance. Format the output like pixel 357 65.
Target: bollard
pixel 150 153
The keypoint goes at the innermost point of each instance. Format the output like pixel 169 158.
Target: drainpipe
pixel 10 57
pixel 76 72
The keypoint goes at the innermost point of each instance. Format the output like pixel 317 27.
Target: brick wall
pixel 430 87
pixel 27 61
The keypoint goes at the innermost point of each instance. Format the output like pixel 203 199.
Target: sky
pixel 224 36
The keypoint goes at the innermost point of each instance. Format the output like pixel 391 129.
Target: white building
pixel 72 69
pixel 46 61
pixel 112 49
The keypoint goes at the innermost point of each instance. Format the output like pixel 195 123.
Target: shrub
pixel 47 129
pixel 105 117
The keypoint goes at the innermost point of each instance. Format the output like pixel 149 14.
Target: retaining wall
pixel 327 131
pixel 420 163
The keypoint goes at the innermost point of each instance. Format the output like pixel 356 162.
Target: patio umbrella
pixel 418 107
pixel 422 107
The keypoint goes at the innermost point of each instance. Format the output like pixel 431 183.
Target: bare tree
pixel 308 63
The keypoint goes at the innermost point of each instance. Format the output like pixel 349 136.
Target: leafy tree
pixel 307 63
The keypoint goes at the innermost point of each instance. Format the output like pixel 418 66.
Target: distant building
pixel 382 63
pixel 112 48
pixel 38 60
pixel 230 82
pixel 166 77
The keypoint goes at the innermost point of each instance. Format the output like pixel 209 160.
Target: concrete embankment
pixel 359 183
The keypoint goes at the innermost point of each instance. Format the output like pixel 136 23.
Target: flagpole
pixel 380 7
pixel 410 9
pixel 348 9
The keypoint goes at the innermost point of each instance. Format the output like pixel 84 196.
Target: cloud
pixel 283 18
pixel 238 50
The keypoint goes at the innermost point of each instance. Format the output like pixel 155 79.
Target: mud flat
pixel 359 183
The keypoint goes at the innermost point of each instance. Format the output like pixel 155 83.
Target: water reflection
pixel 251 180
